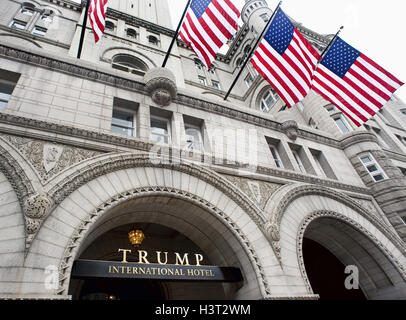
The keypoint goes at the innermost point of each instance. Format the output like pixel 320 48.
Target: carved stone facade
pixel 82 155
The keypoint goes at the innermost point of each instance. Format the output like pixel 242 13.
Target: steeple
pixel 155 11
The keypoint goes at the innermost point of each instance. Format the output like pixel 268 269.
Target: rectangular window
pixel 249 80
pixel 18 25
pixel 276 156
pixel 202 81
pixel 322 164
pixel 194 133
pixel 298 161
pixel 124 117
pixel 302 159
pixel 38 31
pixel 8 81
pixel 342 124
pixel 373 168
pixel 331 108
pixel 215 84
pixel 160 130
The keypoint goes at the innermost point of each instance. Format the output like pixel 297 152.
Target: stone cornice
pixel 67 4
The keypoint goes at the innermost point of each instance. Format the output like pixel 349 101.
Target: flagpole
pixel 176 34
pixel 253 50
pixel 331 42
pixel 82 35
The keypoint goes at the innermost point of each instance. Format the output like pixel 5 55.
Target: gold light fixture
pixel 136 237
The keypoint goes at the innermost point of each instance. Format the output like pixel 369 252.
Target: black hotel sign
pixel 110 269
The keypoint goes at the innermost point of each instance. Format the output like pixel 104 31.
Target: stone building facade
pixel 91 147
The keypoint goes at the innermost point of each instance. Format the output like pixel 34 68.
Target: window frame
pixel 345 123
pixel 276 156
pixel 372 162
pixel 168 123
pixel 299 161
pixel 263 101
pixel 39 31
pixel 200 134
pixel 17 22
pixel 134 121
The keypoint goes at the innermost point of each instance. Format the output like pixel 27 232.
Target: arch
pixel 293 207
pixel 70 224
pixel 129 63
pixel 109 53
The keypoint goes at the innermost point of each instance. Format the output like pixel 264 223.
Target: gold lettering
pixel 115 269
pixel 158 255
pixel 190 272
pixel 176 272
pixel 164 273
pixel 142 270
pixel 182 261
pixel 135 270
pixel 124 251
pixel 142 257
pixel 128 270
pixel 199 258
pixel 170 272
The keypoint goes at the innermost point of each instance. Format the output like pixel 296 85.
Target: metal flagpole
pixel 82 35
pixel 253 50
pixel 176 34
pixel 331 42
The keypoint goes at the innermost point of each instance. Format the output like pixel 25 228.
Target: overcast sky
pixel 376 28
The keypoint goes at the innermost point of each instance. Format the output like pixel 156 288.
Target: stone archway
pixel 345 228
pixel 83 196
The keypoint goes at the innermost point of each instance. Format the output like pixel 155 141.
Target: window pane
pixel 3 105
pixel 17 25
pixel 159 126
pixel 341 124
pixel 372 168
pixel 159 138
pixel 122 130
pixel 193 139
pixel 378 177
pixel 366 159
pixel 123 119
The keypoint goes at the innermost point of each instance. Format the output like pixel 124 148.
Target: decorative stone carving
pixel 37 206
pixel 161 86
pixel 258 191
pixel 291 129
pixel 49 159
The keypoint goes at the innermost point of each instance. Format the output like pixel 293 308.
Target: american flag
pixel 207 26
pixel 286 60
pixel 97 16
pixel 354 83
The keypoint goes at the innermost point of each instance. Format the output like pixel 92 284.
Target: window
pixel 27 9
pixel 267 101
pixel 212 70
pixel 38 31
pixel 331 108
pixel 131 33
pixel 46 15
pixel 249 80
pixel 198 64
pixel 215 84
pixel 265 17
pixel 153 40
pixel 129 63
pixel 194 139
pixel 202 81
pixel 312 123
pixel 342 124
pixel 276 157
pixel 298 161
pixel 373 168
pixel 18 25
pixel 160 130
pixel 109 26
pixel 124 117
pixel 8 81
pixel 403 111
pixel 324 168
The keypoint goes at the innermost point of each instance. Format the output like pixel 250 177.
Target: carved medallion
pixel 51 156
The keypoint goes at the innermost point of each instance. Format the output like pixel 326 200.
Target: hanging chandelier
pixel 136 237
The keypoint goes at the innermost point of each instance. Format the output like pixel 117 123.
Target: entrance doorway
pixel 121 289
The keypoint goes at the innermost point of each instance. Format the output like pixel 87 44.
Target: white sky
pixel 376 28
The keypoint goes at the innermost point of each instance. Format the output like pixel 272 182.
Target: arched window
pixel 239 62
pixel 198 64
pixel 47 15
pixel 131 33
pixel 27 8
pixel 153 40
pixel 268 100
pixel 125 62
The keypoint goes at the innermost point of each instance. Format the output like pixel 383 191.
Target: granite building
pixel 304 204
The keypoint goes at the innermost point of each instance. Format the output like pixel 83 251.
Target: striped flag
pixel 286 60
pixel 354 83
pixel 208 25
pixel 97 16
